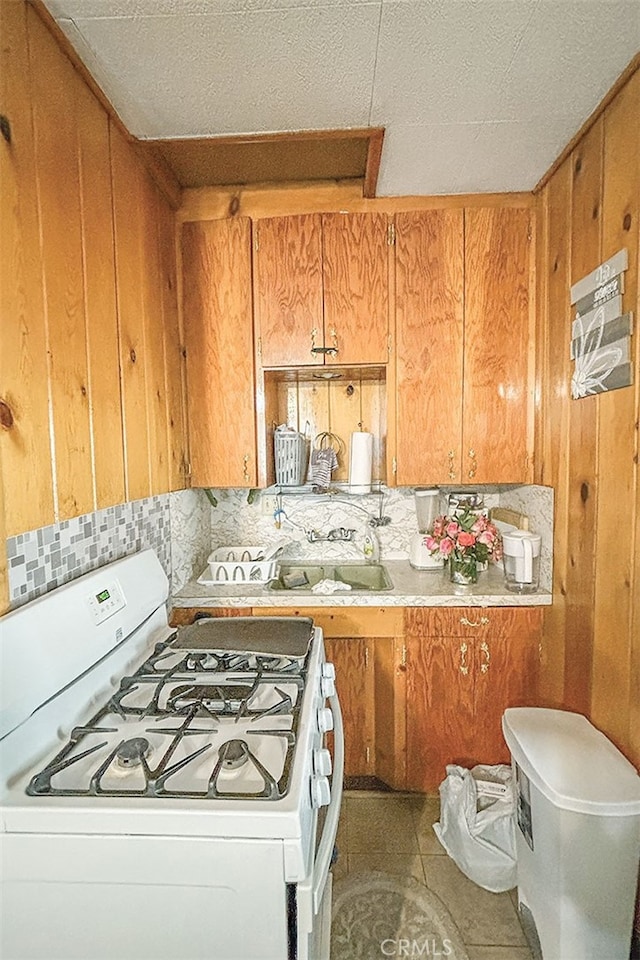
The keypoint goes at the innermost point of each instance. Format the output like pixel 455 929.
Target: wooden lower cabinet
pixel 464 667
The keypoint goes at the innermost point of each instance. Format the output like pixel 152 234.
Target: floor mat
pixel 377 915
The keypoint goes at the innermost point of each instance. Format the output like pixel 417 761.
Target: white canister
pixel 521 558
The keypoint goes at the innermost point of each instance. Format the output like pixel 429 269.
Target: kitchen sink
pixel 372 577
pixel 364 576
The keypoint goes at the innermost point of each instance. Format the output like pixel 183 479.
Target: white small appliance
pixel 521 557
pixel 427 500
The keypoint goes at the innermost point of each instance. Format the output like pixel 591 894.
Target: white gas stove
pixel 162 790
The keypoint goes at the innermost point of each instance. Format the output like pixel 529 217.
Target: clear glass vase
pixel 463 570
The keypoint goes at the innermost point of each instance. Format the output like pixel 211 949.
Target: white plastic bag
pixel 477 829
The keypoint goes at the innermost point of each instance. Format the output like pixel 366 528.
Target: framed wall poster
pixel 600 333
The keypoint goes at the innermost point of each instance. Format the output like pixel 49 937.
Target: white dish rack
pixel 241 564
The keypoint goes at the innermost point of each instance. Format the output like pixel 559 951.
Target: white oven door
pixel 314 893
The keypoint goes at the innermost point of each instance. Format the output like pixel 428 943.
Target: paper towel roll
pixel 360 462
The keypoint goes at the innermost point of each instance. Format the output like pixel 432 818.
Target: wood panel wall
pixel 589 209
pixel 91 366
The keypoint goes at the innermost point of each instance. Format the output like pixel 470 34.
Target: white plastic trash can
pixel 577 835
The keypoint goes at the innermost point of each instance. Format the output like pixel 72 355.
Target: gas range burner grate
pixel 170 658
pixel 187 724
pixel 164 778
pixel 227 701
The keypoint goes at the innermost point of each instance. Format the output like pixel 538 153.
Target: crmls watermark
pixel 417 948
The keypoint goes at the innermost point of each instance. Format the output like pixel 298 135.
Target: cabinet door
pixel 440 719
pixel 219 341
pixel 498 343
pixel 390 711
pixel 356 291
pixel 429 344
pixel 506 675
pixel 288 290
pixel 354 683
pixel 464 668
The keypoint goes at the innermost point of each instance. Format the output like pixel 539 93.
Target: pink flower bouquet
pixel 465 539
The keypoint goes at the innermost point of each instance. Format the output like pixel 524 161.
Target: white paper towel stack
pixel 360 462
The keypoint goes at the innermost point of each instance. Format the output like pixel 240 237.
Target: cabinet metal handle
pixel 322 350
pixel 245 461
pixel 482 622
pixel 334 337
pixel 464 666
pixel 474 464
pixel 452 471
pixel 484 666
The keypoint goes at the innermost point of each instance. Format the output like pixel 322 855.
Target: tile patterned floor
pixel 393 833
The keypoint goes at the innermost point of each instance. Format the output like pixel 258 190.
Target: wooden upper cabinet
pixel 464 340
pixel 498 395
pixel 322 290
pixel 429 345
pixel 288 289
pixel 219 342
pixel 356 288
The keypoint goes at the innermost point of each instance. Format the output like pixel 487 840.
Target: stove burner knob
pixel 322 762
pixel 327 687
pixel 320 792
pixel 328 670
pixel 325 720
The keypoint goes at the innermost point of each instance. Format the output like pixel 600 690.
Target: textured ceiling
pixel 475 95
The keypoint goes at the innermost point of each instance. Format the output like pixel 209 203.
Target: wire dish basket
pixel 291 451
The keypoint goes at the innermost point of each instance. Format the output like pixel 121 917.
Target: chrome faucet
pixel 334 536
pixel 340 533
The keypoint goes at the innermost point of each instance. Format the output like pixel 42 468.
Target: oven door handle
pixel 330 828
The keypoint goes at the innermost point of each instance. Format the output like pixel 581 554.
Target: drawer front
pixel 345 621
pixel 470 622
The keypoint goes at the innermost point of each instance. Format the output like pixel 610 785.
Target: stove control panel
pixel 106 602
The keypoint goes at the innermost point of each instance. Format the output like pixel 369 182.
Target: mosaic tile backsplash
pixel 43 559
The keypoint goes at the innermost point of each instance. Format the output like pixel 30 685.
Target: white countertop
pixel 411 588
